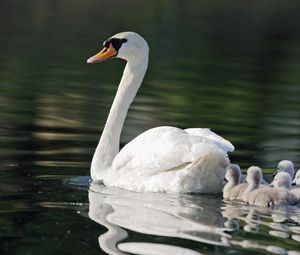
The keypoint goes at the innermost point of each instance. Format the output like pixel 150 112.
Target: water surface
pixel 233 67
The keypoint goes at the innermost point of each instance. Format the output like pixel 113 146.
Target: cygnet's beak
pixel 293 183
pixel 274 174
pixel 104 54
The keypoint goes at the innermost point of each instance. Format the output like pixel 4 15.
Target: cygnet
pixel 233 189
pixel 285 166
pixel 282 180
pixel 265 196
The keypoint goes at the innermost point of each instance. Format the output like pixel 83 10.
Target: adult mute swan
pixel 162 159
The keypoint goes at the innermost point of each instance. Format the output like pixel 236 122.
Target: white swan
pixel 265 196
pixel 163 158
pixel 233 190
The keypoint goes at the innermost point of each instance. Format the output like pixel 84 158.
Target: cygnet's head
pixel 254 175
pixel 125 45
pixel 282 180
pixel 296 180
pixel 233 173
pixel 285 166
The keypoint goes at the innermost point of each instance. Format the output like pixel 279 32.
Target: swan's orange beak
pixel 104 54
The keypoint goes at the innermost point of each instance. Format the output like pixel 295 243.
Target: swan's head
pixel 282 180
pixel 296 181
pixel 254 175
pixel 125 45
pixel 233 173
pixel 285 166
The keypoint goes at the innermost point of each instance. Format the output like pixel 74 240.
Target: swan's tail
pixel 207 173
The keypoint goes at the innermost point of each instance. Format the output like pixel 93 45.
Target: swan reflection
pixel 203 219
pixel 189 217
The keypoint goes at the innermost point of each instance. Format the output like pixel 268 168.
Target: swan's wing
pixel 163 149
pixel 206 132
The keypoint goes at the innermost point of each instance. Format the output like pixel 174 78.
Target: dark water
pixel 233 66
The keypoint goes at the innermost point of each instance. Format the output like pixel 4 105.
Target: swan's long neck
pixel 109 143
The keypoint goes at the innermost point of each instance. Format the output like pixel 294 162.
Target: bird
pixel 162 159
pixel 296 180
pixel 284 166
pixel 283 180
pixel 266 196
pixel 233 189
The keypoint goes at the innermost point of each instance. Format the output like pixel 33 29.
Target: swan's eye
pixel 117 43
pixel 106 44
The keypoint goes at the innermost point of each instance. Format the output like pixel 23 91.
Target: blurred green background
pixel 232 66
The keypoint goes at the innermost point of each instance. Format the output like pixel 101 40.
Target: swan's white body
pixel 162 159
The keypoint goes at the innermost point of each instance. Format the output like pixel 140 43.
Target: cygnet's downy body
pixel 282 181
pixel 233 189
pixel 244 177
pixel 266 196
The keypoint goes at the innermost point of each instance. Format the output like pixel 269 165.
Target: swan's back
pixel 172 160
pixel 207 133
pixel 165 148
